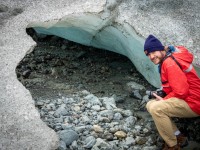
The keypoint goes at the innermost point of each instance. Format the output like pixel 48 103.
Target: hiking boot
pixel 182 140
pixel 165 146
pixel 176 147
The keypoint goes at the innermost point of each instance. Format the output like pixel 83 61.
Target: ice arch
pixel 92 30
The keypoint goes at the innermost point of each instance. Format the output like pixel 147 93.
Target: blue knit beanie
pixel 152 44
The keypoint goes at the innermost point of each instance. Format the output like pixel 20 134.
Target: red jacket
pixel 180 84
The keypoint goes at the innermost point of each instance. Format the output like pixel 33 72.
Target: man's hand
pixel 157 97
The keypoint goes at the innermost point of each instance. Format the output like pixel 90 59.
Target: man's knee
pixel 153 108
pixel 150 106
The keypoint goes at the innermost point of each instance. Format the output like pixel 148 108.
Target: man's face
pixel 156 57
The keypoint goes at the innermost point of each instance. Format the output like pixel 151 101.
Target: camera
pixel 160 93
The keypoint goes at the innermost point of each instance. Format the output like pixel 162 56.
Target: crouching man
pixel 181 84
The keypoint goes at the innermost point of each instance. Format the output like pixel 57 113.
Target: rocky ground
pixel 92 98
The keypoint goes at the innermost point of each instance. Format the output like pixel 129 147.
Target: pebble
pixel 120 134
pixel 97 128
pixel 89 142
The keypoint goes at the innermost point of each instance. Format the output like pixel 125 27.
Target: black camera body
pixel 160 93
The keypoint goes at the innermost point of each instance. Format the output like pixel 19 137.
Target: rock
pixel 58 120
pixel 107 113
pixel 114 144
pixel 89 142
pixel 93 100
pixel 120 134
pixel 96 107
pixel 130 141
pixel 80 129
pixel 68 136
pixel 62 145
pixel 66 126
pixel 136 94
pixel 117 116
pixel 103 119
pixel 109 103
pixel 74 145
pixel 85 92
pixel 119 99
pixel 76 108
pixel 130 121
pixel 97 129
pixel 135 86
pixel 140 140
pixel 101 144
pixel 39 103
pixel 108 136
pixel 61 111
pixel 26 73
pixel 85 119
pixel 138 127
pixel 127 113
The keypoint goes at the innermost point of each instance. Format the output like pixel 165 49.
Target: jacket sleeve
pixel 177 81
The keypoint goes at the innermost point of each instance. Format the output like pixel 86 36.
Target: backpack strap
pixel 160 66
pixel 170 55
pixel 176 61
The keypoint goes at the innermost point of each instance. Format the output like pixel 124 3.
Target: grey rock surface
pixel 174 22
pixel 68 136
